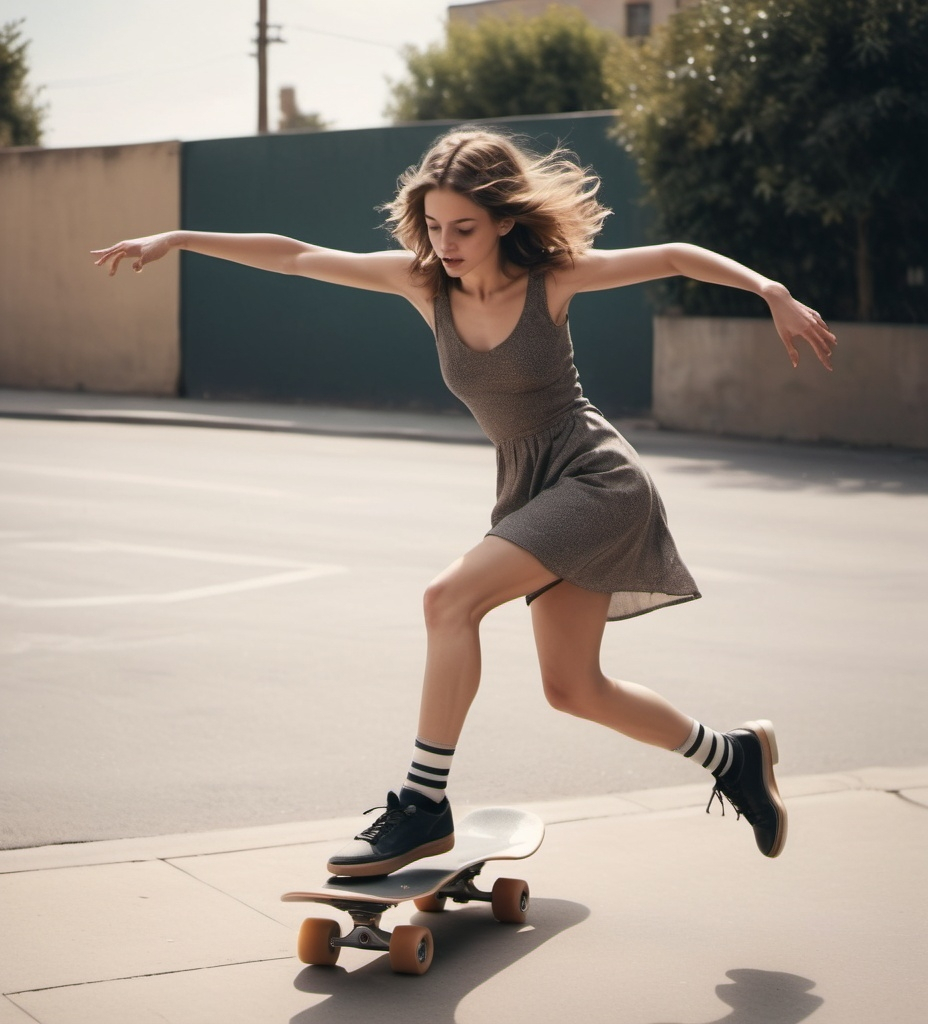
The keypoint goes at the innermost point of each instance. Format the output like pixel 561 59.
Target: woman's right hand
pixel 141 250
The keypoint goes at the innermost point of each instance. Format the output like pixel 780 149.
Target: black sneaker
pixel 749 785
pixel 411 827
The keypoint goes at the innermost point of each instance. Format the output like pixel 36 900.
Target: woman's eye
pixel 468 231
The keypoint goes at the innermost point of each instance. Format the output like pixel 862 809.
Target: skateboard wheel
pixel 510 899
pixel 316 943
pixel 411 949
pixel 433 904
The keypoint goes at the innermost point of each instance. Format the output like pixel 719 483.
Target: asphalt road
pixel 204 629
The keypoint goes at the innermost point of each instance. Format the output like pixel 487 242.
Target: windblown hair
pixel 551 199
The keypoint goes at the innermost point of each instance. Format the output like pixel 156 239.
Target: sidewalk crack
pixel 905 798
pixel 222 892
pixel 136 977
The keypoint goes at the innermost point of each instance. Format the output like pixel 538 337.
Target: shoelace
pixel 385 823
pixel 718 792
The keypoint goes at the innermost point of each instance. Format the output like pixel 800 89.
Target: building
pixel 626 18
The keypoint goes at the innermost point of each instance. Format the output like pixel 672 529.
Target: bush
pixel 793 136
pixel 555 63
pixel 20 113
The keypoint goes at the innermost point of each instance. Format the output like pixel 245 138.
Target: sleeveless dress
pixel 570 489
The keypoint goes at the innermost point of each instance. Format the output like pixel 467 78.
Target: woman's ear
pixel 505 225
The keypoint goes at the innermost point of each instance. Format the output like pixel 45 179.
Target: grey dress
pixel 570 489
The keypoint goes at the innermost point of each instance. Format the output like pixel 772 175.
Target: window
pixel 637 20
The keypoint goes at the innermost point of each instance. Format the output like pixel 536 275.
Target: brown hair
pixel 551 199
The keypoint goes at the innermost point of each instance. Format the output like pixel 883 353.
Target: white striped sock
pixel 713 750
pixel 428 773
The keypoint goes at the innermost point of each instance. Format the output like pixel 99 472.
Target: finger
pixel 137 266
pixel 791 349
pixel 825 358
pixel 116 262
pixel 822 342
pixel 822 328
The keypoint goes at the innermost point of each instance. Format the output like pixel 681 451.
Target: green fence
pixel 254 335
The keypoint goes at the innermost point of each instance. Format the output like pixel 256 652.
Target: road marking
pixel 292 572
pixel 97 547
pixel 174 596
pixel 102 476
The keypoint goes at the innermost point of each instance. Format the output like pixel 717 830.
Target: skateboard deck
pixel 494 833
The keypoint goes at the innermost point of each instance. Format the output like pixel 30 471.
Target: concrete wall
pixel 63 323
pixel 732 376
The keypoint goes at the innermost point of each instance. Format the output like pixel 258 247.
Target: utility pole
pixel 262 43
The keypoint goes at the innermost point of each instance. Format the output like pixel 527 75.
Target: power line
pixel 341 35
pixel 134 73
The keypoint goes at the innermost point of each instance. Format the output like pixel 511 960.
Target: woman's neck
pixel 485 284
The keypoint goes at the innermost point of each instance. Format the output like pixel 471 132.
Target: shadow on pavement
pixel 766 997
pixel 789 466
pixel 470 948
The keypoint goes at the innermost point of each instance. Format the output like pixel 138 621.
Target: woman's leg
pixel 568 624
pixel 418 821
pixel 492 573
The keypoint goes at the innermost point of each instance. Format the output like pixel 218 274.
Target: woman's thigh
pixel 568 623
pixel 490 574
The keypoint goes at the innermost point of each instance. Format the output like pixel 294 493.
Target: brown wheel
pixel 510 900
pixel 433 904
pixel 316 942
pixel 411 949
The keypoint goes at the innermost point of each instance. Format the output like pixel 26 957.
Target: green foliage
pixel 792 135
pixel 20 115
pixel 551 64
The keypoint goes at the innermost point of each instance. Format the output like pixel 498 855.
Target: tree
pixel 794 135
pixel 550 64
pixel 20 114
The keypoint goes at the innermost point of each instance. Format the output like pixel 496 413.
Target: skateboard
pixel 494 833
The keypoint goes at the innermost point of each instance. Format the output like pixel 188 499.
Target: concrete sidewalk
pixel 644 910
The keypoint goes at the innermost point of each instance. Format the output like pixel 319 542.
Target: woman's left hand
pixel 795 320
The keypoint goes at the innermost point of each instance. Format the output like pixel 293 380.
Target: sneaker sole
pixel 763 730
pixel 368 869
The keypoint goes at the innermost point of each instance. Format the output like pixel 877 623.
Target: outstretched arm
pixel 600 269
pixel 386 271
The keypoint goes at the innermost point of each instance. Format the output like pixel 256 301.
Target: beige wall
pixel 732 376
pixel 603 13
pixel 63 323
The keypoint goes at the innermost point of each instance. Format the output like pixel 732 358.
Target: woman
pixel 496 241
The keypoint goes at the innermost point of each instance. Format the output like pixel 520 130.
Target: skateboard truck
pixel 367 933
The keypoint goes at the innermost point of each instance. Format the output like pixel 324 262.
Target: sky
pixel 127 71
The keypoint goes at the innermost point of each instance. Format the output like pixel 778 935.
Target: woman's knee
pixel 572 693
pixel 557 694
pixel 446 602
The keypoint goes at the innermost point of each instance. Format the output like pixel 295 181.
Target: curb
pixel 910 783
pixel 166 419
pixel 167 411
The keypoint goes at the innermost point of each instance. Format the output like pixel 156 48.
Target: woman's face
pixel 463 235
